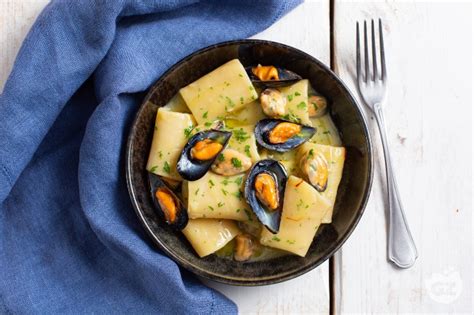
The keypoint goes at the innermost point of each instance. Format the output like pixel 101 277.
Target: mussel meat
pixel 317 106
pixel 315 167
pixel 281 135
pixel 265 191
pixel 169 207
pixel 231 162
pixel 200 152
pixel 273 102
pixel 271 76
pixel 243 247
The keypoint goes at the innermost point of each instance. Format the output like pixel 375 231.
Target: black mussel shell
pixel 182 214
pixel 286 77
pixel 269 218
pixel 193 169
pixel 264 126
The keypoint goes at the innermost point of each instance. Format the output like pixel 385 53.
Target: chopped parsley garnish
pixel 211 183
pixel 236 162
pixel 153 169
pixel 240 135
pixel 211 208
pixel 204 115
pixel 326 132
pixel 220 204
pixel 291 117
pixel 225 182
pixel 208 124
pixel 289 97
pixel 249 216
pixel 241 75
pixel 311 153
pixel 167 167
pixel 297 93
pixel 301 105
pixel 247 150
pixel 275 238
pixel 160 154
pixel 291 242
pixel 225 192
pixel 187 131
pixel 251 87
pixel 220 157
pixel 196 192
pixel 300 203
pixel 238 194
pixel 241 100
pixel 238 180
pixel 229 102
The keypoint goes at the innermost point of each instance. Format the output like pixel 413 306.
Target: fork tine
pixel 366 53
pixel 374 52
pixel 358 52
pixel 382 52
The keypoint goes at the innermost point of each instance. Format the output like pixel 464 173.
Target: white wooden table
pixel 429 118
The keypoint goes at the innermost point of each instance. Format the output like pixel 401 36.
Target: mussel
pixel 271 76
pixel 231 162
pixel 281 135
pixel 169 207
pixel 318 106
pixel 273 102
pixel 314 166
pixel 244 247
pixel 265 191
pixel 200 152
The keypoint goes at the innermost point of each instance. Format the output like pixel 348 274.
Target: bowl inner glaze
pixel 352 194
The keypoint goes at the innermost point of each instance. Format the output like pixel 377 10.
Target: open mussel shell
pixel 177 217
pixel 265 126
pixel 285 78
pixel 191 168
pixel 269 218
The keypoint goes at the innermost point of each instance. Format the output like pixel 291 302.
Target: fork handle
pixel 401 247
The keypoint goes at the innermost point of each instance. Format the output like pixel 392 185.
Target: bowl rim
pixel 209 274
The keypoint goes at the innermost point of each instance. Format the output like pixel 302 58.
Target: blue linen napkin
pixel 69 239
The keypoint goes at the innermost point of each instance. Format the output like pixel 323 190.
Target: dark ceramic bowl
pixel 353 190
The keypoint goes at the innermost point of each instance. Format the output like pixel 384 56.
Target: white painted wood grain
pixel 307 28
pixel 428 115
pixel 16 18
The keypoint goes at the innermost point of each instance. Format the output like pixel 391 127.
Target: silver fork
pixel 372 87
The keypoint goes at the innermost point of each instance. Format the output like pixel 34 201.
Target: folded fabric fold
pixel 69 239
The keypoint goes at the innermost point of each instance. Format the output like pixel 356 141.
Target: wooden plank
pixel 16 18
pixel 306 28
pixel 428 113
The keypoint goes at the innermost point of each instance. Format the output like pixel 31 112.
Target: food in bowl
pixel 246 162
